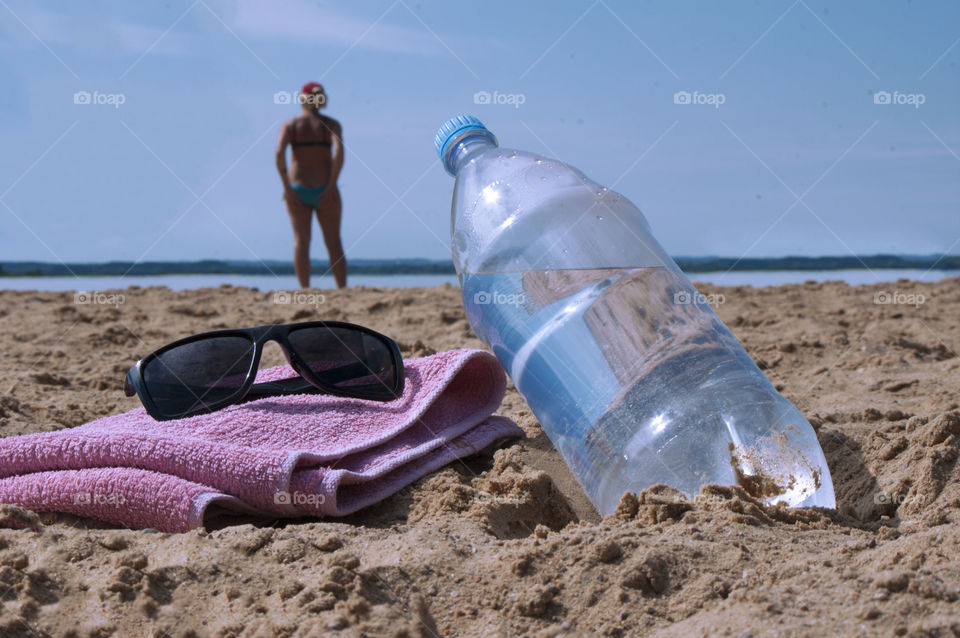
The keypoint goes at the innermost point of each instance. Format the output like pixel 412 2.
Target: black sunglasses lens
pixel 352 361
pixel 193 376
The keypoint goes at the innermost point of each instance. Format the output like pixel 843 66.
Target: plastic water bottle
pixel 630 372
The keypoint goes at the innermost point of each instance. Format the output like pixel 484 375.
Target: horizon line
pixel 427 266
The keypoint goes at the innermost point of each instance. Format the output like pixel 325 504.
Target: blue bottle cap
pixel 453 128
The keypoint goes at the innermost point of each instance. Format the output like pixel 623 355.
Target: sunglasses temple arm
pixel 128 388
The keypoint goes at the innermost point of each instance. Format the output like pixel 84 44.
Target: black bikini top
pixel 295 143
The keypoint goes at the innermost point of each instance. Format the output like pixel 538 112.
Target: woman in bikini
pixel 316 147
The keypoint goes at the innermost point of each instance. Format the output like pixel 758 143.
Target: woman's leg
pixel 329 215
pixel 301 218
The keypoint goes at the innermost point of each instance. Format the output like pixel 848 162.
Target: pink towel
pixel 306 454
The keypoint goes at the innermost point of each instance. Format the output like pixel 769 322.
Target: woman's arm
pixel 281 157
pixel 336 153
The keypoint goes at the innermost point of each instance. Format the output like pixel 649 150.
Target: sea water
pixel 636 381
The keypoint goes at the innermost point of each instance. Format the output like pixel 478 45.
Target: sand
pixel 506 544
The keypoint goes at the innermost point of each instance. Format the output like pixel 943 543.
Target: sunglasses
pixel 212 370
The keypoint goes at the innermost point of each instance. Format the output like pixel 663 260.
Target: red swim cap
pixel 311 87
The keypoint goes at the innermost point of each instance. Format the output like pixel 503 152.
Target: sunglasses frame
pixel 260 335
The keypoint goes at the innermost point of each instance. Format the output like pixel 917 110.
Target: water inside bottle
pixel 637 382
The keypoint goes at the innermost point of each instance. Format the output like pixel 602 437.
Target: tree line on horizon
pixel 445 267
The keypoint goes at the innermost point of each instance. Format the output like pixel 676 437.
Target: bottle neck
pixel 460 151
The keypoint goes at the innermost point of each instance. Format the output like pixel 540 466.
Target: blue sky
pixel 797 159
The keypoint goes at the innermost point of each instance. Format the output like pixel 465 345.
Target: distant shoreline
pixel 445 267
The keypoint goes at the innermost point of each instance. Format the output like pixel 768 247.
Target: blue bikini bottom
pixel 309 196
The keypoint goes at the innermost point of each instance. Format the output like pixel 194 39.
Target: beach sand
pixel 506 544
